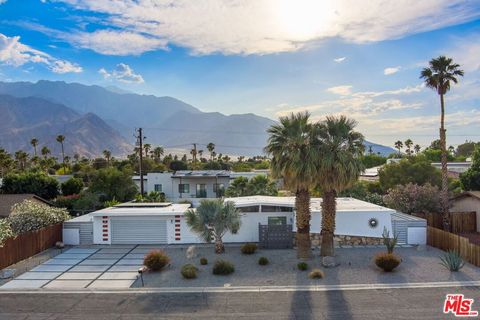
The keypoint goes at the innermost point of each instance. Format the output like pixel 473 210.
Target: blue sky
pixel 268 57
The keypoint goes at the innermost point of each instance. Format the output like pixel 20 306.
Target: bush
pixel 87 201
pixel 155 260
pixel 223 267
pixel 249 248
pixel 31 215
pixel 66 201
pixel 413 198
pixel 5 231
pixel 387 261
pixel 302 266
pixel 189 271
pixel 31 182
pixel 316 274
pixel 452 261
pixel 263 261
pixel 72 186
pixel 203 261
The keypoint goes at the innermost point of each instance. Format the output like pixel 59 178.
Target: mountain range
pixel 95 118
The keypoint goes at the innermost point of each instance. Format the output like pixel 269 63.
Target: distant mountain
pixel 25 118
pixel 167 121
pixel 378 149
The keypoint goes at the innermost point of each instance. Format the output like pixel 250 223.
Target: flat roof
pixel 201 173
pixel 343 204
pixel 173 209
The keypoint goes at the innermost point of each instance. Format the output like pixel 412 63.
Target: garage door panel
pixel 138 230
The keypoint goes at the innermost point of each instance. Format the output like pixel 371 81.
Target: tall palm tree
pixel 147 147
pixel 108 155
pixel 417 148
pixel 211 148
pixel 294 147
pixel 438 76
pixel 408 144
pixel 399 146
pixel 34 143
pixel 45 152
pixel 21 157
pixel 61 139
pixel 339 167
pixel 158 153
pixel 212 219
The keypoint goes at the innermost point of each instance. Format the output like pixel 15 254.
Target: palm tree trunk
pixel 63 160
pixel 302 206
pixel 328 223
pixel 219 247
pixel 443 146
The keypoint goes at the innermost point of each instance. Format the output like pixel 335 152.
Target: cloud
pixel 340 59
pixel 122 73
pixel 390 70
pixel 257 26
pixel 341 90
pixel 3 1
pixel 15 53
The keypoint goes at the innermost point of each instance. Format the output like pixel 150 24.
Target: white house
pixel 164 223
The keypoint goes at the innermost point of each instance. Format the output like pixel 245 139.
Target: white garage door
pixel 138 230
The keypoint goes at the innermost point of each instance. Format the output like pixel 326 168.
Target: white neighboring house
pixel 164 223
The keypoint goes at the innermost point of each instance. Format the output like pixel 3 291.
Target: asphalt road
pixel 425 303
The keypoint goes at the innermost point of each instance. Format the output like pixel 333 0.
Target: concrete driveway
pixel 90 267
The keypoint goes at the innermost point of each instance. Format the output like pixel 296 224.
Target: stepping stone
pixel 106 256
pixel 50 268
pixel 24 284
pixel 135 256
pixel 114 284
pixel 119 276
pixel 89 268
pixel 73 256
pixel 67 284
pixel 130 262
pixel 98 262
pixel 79 276
pixel 38 276
pixel 140 251
pixel 81 250
pixel 67 262
pixel 125 268
pixel 113 250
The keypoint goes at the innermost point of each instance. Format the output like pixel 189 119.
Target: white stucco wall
pixel 98 231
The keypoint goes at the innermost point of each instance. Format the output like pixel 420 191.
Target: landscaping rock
pixel 191 252
pixel 329 262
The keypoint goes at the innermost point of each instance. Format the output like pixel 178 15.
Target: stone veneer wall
pixel 316 239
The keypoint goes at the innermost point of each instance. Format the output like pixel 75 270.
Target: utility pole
pixel 140 138
pixel 194 154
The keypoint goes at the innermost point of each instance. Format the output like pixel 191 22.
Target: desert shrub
pixel 189 271
pixel 155 260
pixel 31 215
pixel 66 201
pixel 302 266
pixel 223 267
pixel 72 186
pixel 263 261
pixel 203 261
pixel 249 248
pixel 387 261
pixel 413 198
pixel 316 274
pixel 452 261
pixel 30 182
pixel 390 243
pixel 5 231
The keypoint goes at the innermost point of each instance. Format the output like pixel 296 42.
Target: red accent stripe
pixel 105 217
pixel 177 238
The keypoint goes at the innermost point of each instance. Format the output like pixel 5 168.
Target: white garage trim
pixel 138 230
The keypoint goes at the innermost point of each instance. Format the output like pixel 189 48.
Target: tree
pixel 237 188
pixel 72 186
pixel 408 145
pixel 30 182
pixel 61 139
pixel 417 148
pixel 470 179
pixel 45 152
pixel 466 149
pixel 399 146
pixel 439 76
pixel 34 143
pixel 412 198
pixel 108 155
pixel 157 154
pixel 211 149
pixel 340 166
pixel 147 147
pixel 373 160
pixel 294 147
pixel 213 219
pixel 257 185
pixel 22 158
pixel 111 183
pixel 6 162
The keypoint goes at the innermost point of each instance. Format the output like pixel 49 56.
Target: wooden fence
pixel 28 244
pixel 448 241
pixel 462 222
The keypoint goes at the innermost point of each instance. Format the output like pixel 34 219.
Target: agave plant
pixel 452 261
pixel 390 243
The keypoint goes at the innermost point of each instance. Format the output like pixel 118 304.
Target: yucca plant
pixel 390 243
pixel 452 261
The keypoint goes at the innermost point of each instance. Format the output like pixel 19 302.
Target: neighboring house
pixel 8 200
pixel 467 202
pixel 192 185
pixel 164 223
pixel 370 174
pixel 454 168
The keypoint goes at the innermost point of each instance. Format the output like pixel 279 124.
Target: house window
pixel 249 209
pixel 158 187
pixel 183 188
pixel 219 189
pixel 276 209
pixel 201 191
pixel 275 221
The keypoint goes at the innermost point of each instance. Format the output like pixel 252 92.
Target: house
pixel 467 202
pixel 7 201
pixel 454 169
pixel 164 223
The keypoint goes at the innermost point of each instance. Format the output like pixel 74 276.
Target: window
pixel 219 189
pixel 201 191
pixel 249 209
pixel 183 188
pixel 276 209
pixel 158 187
pixel 275 221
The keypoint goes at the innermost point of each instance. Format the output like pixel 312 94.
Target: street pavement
pixel 418 303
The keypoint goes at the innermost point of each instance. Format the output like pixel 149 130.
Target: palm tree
pixel 340 166
pixel 408 145
pixel 399 146
pixel 438 76
pixel 157 154
pixel 45 152
pixel 211 148
pixel 21 157
pixel 212 219
pixel 147 147
pixel 61 139
pixel 417 148
pixel 108 155
pixel 34 143
pixel 294 147
pixel 6 162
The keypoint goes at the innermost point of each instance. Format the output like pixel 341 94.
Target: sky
pixel 268 57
